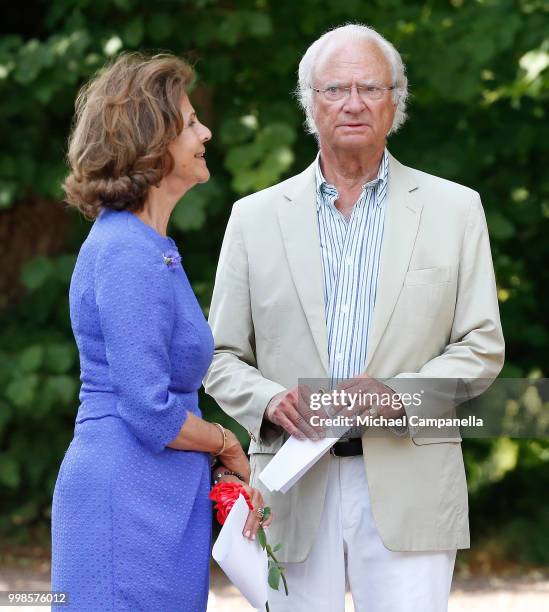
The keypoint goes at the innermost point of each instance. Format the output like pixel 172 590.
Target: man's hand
pixel 389 405
pixel 291 411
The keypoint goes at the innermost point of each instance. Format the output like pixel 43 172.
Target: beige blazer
pixel 436 315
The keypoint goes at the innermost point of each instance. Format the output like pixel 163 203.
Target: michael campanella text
pixel 381 421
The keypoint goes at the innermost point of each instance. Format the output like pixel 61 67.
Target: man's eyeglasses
pixel 335 93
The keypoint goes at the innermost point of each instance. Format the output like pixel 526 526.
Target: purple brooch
pixel 172 258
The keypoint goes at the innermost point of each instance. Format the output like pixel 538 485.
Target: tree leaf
pixel 21 390
pixel 36 272
pixel 62 387
pixel 160 26
pixel 31 358
pixel 499 226
pixel 9 472
pixel 59 358
pixel 133 32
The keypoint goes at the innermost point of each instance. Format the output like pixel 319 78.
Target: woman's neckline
pixel 139 225
pixel 149 227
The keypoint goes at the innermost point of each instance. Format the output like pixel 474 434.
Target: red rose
pixel 226 494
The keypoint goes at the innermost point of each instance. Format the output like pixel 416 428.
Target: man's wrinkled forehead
pixel 345 59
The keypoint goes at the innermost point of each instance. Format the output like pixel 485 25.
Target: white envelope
pixel 293 459
pixel 243 560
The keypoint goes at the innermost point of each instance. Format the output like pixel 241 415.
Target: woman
pixel 131 518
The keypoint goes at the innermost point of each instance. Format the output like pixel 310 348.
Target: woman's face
pixel 188 150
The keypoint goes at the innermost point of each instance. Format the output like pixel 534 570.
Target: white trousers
pixel 349 551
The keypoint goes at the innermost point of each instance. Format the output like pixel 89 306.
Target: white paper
pixel 243 560
pixel 293 459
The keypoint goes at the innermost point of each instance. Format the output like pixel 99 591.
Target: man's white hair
pixel 353 32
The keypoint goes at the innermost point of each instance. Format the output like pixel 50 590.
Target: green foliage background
pixel 478 115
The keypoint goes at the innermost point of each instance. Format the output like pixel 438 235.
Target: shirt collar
pixel 324 188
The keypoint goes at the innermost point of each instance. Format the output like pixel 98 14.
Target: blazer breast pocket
pixel 427 276
pixel 424 290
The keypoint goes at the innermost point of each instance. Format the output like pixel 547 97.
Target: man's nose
pixel 354 103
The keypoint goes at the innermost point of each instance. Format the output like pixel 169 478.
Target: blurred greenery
pixel 478 115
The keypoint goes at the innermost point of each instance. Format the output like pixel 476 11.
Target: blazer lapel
pixel 402 216
pixel 299 228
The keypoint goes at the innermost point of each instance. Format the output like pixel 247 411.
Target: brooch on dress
pixel 172 258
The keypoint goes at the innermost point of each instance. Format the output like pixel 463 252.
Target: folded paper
pixel 294 458
pixel 243 561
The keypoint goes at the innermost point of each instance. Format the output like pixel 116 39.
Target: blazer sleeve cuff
pixel 262 432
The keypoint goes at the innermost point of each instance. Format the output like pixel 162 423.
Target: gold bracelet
pixel 224 433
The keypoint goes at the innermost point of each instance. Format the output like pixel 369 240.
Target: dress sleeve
pixel 134 297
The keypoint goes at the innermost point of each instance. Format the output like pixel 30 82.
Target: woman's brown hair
pixel 125 119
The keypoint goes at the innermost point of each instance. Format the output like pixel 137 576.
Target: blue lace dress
pixel 131 519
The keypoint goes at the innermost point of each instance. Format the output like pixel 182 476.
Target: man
pixel 358 268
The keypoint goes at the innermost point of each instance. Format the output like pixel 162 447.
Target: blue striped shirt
pixel 351 252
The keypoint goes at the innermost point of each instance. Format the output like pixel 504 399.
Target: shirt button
pixel 345 309
pixel 339 357
pixel 349 261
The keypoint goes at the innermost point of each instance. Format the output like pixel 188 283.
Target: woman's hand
pixel 253 522
pixel 234 458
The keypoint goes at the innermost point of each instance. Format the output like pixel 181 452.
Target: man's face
pixel 353 122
